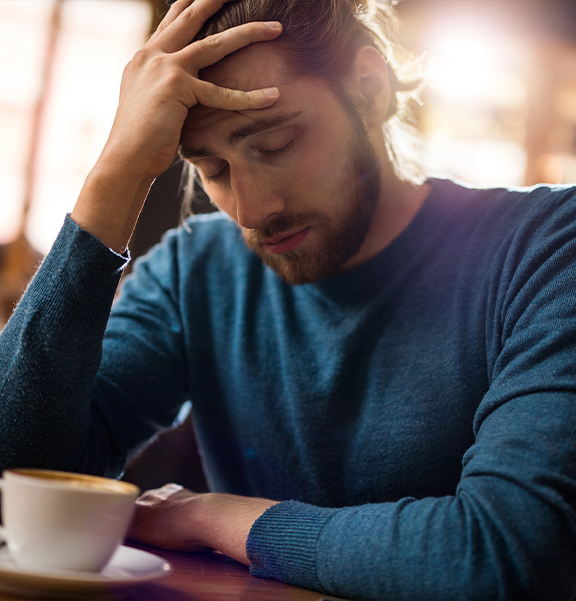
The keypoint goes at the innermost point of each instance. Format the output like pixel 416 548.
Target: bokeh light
pixel 474 65
pixel 484 111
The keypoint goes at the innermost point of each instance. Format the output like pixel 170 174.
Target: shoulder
pixel 517 201
pixel 500 214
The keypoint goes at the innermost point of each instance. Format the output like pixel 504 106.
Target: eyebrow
pixel 256 127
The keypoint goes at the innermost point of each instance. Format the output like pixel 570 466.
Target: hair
pixel 321 39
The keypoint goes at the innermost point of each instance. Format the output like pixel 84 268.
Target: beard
pixel 339 237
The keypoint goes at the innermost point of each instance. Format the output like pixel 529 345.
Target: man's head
pixel 322 37
pixel 301 178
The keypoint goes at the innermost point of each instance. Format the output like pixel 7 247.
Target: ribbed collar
pixel 419 237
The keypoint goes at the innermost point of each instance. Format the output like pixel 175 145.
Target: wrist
pixel 110 203
pixel 119 159
pixel 225 521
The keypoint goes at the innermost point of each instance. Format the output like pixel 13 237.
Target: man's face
pixel 300 178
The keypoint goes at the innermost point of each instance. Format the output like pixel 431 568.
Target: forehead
pixel 259 65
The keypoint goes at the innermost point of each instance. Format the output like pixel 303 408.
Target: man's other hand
pixel 177 519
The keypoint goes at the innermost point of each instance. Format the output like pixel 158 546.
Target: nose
pixel 257 198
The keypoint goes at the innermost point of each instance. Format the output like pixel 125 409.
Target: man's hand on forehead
pixel 159 87
pixel 161 84
pixel 180 26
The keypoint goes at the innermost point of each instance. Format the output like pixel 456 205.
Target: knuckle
pixel 199 12
pixel 226 94
pixel 252 29
pixel 212 42
pixel 140 57
pixel 172 78
pixel 160 69
pixel 161 27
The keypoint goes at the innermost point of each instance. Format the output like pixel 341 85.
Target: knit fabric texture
pixel 415 415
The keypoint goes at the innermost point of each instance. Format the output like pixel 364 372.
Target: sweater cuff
pixel 282 543
pixel 80 268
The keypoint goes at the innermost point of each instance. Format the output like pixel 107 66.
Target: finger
pixel 159 494
pixel 183 29
pixel 214 48
pixel 175 9
pixel 214 96
pixel 168 490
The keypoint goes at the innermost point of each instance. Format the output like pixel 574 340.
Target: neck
pixel 398 203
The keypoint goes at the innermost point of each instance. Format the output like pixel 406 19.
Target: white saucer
pixel 128 567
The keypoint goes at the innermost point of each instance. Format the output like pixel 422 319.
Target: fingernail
pixel 273 24
pixel 270 91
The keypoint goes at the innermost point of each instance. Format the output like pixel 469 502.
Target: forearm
pixel 50 350
pixel 110 203
pixel 509 531
pixel 174 518
pixel 225 522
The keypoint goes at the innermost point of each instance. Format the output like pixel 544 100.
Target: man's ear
pixel 370 85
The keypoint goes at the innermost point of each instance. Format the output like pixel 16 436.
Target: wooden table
pixel 193 577
pixel 212 577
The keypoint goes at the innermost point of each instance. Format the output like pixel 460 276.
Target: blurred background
pixel 498 109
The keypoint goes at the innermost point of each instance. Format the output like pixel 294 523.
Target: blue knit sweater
pixel 417 414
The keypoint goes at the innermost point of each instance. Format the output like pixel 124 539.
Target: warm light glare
pixel 476 111
pixel 470 65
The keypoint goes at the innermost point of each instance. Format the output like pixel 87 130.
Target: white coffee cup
pixel 60 520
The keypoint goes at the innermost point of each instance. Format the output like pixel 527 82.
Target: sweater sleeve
pixel 509 531
pixel 61 406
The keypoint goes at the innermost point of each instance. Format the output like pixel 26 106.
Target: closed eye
pixel 216 176
pixel 278 151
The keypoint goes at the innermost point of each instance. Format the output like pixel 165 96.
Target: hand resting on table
pixel 178 519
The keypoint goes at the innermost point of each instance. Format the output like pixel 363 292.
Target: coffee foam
pixel 79 481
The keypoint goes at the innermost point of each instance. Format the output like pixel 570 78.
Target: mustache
pixel 280 225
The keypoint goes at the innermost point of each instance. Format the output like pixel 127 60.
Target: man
pixel 383 390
